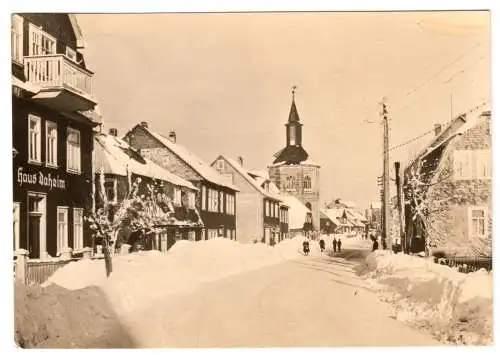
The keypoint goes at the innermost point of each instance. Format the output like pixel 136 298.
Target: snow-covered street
pixel 308 301
pixel 221 293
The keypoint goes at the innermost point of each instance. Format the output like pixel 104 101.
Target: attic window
pixel 71 53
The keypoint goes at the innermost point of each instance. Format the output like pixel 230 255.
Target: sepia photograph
pixel 267 179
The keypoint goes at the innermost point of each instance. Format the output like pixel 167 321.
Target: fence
pixel 36 272
pixel 466 265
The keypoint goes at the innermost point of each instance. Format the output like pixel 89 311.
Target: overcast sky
pixel 223 82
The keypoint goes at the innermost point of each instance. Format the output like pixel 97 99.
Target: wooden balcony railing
pixel 58 71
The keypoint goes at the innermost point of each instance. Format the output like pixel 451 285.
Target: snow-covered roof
pixel 354 217
pixel 256 183
pixel 115 156
pixel 202 168
pixel 297 212
pixel 356 214
pixel 335 215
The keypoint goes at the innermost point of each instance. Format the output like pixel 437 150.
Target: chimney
pixel 240 160
pixel 113 132
pixel 144 124
pixel 172 136
pixel 437 129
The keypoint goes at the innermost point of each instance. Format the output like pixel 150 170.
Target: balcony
pixel 63 84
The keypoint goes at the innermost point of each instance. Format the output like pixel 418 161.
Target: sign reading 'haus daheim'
pixel 44 180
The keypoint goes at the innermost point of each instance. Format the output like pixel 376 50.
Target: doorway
pixel 36 225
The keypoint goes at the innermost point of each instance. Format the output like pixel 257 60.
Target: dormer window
pixel 71 53
pixel 41 43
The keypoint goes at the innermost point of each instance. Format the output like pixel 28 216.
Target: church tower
pixel 293 170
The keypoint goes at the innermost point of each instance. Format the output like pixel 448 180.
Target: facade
pixel 216 197
pixel 294 172
pixel 117 166
pixel 454 172
pixel 262 215
pixel 53 119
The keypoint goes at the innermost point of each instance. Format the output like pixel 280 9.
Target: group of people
pixel 337 245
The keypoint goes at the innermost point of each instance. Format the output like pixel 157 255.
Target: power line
pixel 432 77
pixel 411 140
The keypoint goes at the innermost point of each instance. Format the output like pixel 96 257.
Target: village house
pixel 294 172
pixel 53 117
pixel 262 216
pixel 447 190
pixel 216 197
pixel 117 167
pixel 340 216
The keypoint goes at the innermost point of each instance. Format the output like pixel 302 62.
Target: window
pixel 483 164
pixel 191 236
pixel 220 164
pixel 213 200
pixel 191 200
pixel 73 151
pixel 290 183
pixel 51 143
pixel 62 229
pixel 212 233
pixel 71 53
pixel 293 135
pixel 203 234
pixel 472 164
pixel 177 196
pixel 462 164
pixel 268 209
pixel 478 222
pixel 229 204
pixel 203 198
pixel 41 43
pixel 16 36
pixel 15 224
pixel 276 210
pixel 307 183
pixel 77 228
pixel 34 141
pixel 221 202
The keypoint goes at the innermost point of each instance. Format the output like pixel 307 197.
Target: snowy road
pixel 311 301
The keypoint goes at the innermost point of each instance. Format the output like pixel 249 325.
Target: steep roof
pixel 335 216
pixel 256 183
pixel 114 156
pixel 293 116
pixel 196 163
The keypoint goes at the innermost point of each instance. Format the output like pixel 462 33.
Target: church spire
pixel 294 115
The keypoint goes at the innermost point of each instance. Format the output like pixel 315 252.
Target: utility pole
pixel 399 187
pixel 386 242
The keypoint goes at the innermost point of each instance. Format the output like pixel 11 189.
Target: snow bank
pixel 140 278
pixel 425 292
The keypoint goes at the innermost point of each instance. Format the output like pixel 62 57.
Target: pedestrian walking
pixel 339 245
pixel 305 247
pixel 334 245
pixel 322 245
pixel 375 244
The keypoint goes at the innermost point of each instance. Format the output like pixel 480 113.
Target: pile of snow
pixel 426 292
pixel 140 278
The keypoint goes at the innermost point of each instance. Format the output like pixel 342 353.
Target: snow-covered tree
pixel 145 213
pixel 426 210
